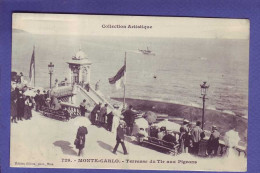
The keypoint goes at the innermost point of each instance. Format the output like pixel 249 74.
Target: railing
pixel 73 110
pixel 101 98
pixel 96 95
pixel 223 148
pixel 239 149
pixel 62 91
pixel 85 92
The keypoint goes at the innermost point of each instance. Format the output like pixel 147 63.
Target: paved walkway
pixel 44 140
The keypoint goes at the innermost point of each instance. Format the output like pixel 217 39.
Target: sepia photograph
pixel 129 92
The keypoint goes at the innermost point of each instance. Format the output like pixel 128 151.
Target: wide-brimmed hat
pixel 163 128
pixel 186 121
pixel 122 122
pixel 116 106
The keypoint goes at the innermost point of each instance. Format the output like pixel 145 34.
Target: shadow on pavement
pixel 107 146
pixel 65 147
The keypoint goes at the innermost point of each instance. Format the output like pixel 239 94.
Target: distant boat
pixel 146 52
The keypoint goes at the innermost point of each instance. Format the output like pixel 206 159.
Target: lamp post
pixel 50 67
pixel 204 87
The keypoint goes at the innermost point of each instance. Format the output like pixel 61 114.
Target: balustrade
pixel 73 110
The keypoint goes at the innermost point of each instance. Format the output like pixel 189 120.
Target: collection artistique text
pixel 127 26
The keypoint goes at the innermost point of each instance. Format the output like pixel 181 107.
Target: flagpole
pixel 34 66
pixel 124 82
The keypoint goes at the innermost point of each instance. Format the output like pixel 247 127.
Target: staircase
pixel 93 97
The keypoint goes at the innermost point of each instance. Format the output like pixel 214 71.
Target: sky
pixel 170 27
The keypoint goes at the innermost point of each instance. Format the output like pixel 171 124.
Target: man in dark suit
pixel 197 134
pixel 129 117
pixel 213 142
pixel 120 137
pixel 37 100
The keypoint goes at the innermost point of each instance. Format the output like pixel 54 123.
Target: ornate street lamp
pixel 204 87
pixel 50 67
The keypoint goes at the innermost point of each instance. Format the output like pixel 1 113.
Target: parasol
pixel 80 121
pixel 139 123
pixel 169 125
pixel 232 138
pixel 150 117
pixel 142 123
pixel 30 93
pixel 38 88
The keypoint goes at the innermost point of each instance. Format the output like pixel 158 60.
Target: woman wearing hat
pixel 28 108
pixel 116 117
pixel 80 139
pixel 83 108
pixel 93 114
pixel 184 133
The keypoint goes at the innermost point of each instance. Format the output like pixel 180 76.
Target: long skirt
pixel 13 110
pixel 93 118
pixel 115 123
pixel 27 112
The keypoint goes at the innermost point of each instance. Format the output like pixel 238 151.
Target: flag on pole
pixel 119 79
pixel 32 68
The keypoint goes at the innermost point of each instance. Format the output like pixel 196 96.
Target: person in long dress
pixel 94 112
pixel 28 108
pixel 13 107
pixel 20 107
pixel 184 131
pixel 83 108
pixel 109 117
pixel 102 115
pixel 80 139
pixel 13 111
pixel 116 118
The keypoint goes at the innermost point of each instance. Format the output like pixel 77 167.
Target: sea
pixel 173 74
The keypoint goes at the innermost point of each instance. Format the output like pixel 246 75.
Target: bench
pixel 55 114
pixel 171 148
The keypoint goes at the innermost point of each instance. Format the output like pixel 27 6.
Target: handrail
pixel 74 110
pixel 103 99
pixel 85 92
pixel 96 94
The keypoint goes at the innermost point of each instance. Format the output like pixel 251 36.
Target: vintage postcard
pixel 129 92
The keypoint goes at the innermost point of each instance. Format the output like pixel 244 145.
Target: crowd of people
pixel 116 121
pixel 22 104
pixel 189 137
pixel 119 122
pixel 100 116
